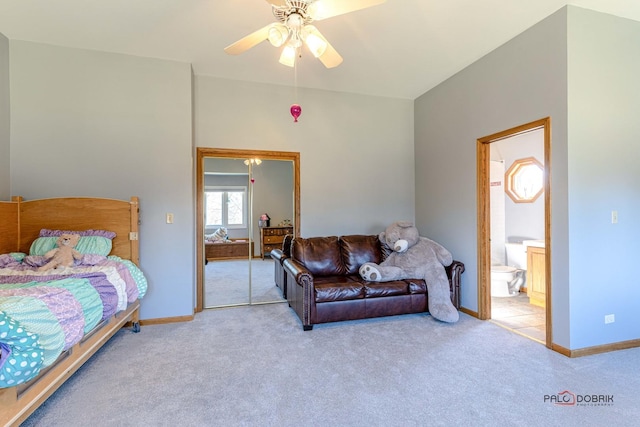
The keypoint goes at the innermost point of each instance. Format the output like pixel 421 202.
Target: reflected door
pixel 273 198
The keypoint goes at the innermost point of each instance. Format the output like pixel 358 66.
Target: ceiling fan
pixel 294 29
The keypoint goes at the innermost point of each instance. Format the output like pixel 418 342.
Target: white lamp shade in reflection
pixel 252 161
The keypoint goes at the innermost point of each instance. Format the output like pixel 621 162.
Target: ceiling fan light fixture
pixel 295 21
pixel 316 45
pixel 293 29
pixel 288 56
pixel 316 9
pixel 278 34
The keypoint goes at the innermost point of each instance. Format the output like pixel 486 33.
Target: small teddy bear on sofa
pixel 65 254
pixel 415 257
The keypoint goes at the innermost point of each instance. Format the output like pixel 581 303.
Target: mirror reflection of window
pixel 524 180
pixel 226 208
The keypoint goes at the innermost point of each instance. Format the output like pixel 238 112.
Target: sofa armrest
pixel 297 272
pixel 278 255
pixel 454 271
pixel 300 291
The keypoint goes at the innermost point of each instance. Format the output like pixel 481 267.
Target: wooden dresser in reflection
pixel 271 238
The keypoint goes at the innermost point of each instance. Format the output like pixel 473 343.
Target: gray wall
pixel 5 181
pixel 125 125
pixel 603 175
pixel 356 152
pixel 521 81
pixel 580 68
pixel 87 123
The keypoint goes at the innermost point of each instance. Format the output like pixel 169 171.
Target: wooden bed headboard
pixel 21 221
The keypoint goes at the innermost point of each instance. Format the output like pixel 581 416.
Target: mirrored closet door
pixel 247 201
pixel 227 226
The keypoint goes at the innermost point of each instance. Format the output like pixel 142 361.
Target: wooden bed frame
pixel 225 251
pixel 20 224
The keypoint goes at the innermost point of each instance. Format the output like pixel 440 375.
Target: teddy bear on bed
pixel 415 257
pixel 65 254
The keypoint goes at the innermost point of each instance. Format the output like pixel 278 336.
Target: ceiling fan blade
pixel 249 41
pixel 330 57
pixel 323 9
pixel 277 2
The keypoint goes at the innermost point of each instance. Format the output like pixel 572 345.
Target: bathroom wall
pixel 522 220
pixel 498 229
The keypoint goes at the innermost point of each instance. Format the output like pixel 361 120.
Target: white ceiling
pixel 401 48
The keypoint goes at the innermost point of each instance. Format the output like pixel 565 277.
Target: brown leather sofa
pixel 323 284
pixel 279 255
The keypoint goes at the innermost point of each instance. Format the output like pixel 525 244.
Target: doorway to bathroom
pixel 514 233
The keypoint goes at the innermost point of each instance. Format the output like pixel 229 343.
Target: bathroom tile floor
pixel 517 314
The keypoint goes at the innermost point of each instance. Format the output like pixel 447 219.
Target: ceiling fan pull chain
pixel 295 109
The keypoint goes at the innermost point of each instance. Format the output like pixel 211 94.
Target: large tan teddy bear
pixel 64 254
pixel 415 257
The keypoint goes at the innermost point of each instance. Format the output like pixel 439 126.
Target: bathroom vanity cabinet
pixel 536 275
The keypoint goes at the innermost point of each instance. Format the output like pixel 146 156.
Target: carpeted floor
pixel 227 283
pixel 254 366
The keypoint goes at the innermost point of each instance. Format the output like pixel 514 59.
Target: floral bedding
pixel 43 313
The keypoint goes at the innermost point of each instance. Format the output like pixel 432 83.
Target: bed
pixel 230 249
pixel 52 321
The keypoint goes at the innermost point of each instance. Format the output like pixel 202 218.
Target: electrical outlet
pixel 169 218
pixel 614 217
pixel 609 318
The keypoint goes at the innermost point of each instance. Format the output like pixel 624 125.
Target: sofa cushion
pixel 385 289
pixel 320 255
pixel 358 249
pixel 337 288
pixel 417 286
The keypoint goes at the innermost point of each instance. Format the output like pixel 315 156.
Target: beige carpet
pixel 254 366
pixel 227 283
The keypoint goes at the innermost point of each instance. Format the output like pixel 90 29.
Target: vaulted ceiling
pixel 401 48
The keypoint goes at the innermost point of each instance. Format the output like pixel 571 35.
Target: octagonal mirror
pixel 524 180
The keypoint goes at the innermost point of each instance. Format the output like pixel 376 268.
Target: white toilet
pixel 506 280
